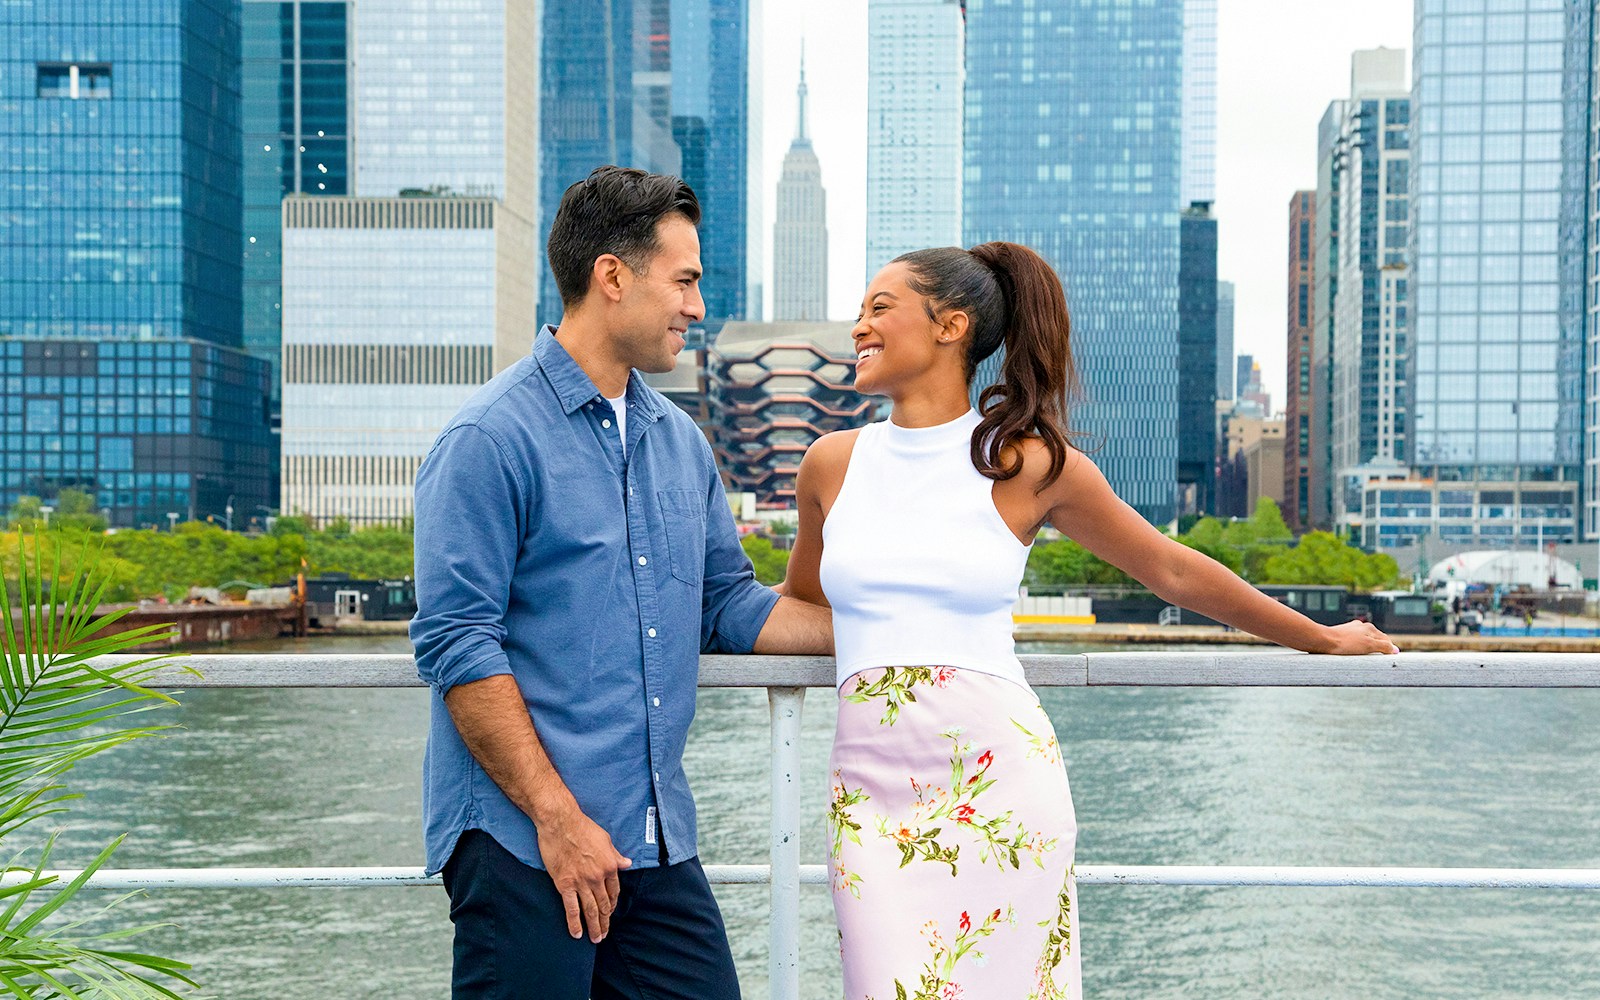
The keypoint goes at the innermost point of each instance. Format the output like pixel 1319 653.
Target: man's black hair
pixel 614 210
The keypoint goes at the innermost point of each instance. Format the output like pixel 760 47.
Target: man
pixel 575 552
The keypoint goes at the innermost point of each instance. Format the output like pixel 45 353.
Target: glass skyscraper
pixel 1501 108
pixel 1073 145
pixel 120 245
pixel 295 90
pixel 1197 360
pixel 661 85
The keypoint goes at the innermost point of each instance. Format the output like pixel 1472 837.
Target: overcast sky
pixel 1279 64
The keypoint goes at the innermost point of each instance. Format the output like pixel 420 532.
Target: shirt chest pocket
pixel 683 513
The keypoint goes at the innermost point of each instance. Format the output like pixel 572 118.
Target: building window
pixel 74 81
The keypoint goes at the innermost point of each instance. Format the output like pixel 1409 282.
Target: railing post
pixel 784 946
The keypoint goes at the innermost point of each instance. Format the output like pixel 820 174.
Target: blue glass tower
pixel 295 91
pixel 660 85
pixel 1074 147
pixel 120 245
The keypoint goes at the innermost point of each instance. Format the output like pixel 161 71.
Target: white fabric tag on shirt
pixel 650 825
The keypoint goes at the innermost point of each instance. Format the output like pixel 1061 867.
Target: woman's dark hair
pixel 614 210
pixel 1013 299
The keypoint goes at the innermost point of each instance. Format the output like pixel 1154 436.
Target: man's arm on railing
pixel 796 627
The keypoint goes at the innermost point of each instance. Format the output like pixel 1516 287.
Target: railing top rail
pixel 1230 668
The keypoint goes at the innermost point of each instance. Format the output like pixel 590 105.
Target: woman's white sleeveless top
pixel 918 564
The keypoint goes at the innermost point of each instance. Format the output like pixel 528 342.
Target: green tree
pixel 1325 559
pixel 75 510
pixel 771 564
pixel 1207 536
pixel 1064 563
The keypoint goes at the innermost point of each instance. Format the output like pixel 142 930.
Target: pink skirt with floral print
pixel 951 832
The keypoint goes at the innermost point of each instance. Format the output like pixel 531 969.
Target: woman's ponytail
pixel 1013 299
pixel 1038 377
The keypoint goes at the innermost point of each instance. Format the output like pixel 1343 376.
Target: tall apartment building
pixel 1197 360
pixel 1502 172
pixel 399 301
pixel 915 75
pixel 1298 405
pixel 800 234
pixel 1075 145
pixel 1369 350
pixel 662 85
pixel 1225 296
pixel 120 343
pixel 1326 215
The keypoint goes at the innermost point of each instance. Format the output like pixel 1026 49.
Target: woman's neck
pixel 924 407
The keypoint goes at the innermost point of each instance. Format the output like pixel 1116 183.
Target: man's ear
pixel 608 276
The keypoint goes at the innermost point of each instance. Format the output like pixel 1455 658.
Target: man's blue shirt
pixel 593 580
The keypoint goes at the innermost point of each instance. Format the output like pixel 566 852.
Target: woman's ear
pixel 954 328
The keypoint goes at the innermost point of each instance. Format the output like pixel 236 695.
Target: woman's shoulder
pixel 832 450
pixel 1036 462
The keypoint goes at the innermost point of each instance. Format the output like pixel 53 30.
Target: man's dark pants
pixel 667 940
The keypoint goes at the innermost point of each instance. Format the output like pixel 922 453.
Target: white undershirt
pixel 620 405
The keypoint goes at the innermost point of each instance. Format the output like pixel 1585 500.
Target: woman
pixel 951 820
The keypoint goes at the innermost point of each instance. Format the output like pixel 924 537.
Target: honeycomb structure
pixel 772 395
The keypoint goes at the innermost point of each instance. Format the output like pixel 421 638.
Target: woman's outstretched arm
pixel 1085 508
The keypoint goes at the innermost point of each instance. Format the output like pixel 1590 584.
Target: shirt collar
pixel 573 385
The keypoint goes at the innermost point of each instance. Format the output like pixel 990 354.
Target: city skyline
pixel 1269 98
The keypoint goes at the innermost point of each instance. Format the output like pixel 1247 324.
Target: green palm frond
pixel 60 705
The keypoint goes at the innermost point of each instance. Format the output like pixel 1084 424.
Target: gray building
pixel 915 75
pixel 395 310
pixel 1501 117
pixel 1074 146
pixel 800 234
pixel 1368 353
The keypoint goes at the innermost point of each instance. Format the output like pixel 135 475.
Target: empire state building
pixel 800 236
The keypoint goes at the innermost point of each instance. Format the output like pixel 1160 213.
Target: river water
pixel 1160 776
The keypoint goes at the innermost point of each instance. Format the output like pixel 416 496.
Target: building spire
pixel 800 132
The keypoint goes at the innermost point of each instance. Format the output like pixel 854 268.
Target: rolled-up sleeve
pixel 470 507
pixel 733 606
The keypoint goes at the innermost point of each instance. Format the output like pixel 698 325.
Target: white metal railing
pixel 786 679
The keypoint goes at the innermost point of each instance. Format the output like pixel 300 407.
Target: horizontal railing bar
pixel 1234 668
pixel 130 879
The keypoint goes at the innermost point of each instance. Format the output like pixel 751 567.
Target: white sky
pixel 1279 64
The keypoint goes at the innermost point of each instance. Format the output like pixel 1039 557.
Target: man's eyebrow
pixel 689 272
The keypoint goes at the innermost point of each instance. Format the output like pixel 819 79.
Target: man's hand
pixel 581 861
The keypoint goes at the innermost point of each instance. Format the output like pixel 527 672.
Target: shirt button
pixel 642 560
pixel 657 776
pixel 651 633
pixel 605 423
pixel 656 701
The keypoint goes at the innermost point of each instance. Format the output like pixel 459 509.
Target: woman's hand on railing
pixel 1357 638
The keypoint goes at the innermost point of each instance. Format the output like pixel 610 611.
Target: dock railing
pixel 786 679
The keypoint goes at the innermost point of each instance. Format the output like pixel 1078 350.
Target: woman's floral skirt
pixel 952 833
